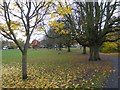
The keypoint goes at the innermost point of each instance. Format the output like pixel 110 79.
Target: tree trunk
pixel 68 48
pixel 24 65
pixel 94 53
pixel 91 54
pixel 84 49
pixel 60 47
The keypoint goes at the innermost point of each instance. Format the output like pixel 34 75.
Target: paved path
pixel 112 81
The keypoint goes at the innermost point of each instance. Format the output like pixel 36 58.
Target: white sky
pixel 36 35
pixel 39 35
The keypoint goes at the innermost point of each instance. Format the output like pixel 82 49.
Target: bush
pixel 109 47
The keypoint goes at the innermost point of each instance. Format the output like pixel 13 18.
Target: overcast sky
pixel 39 35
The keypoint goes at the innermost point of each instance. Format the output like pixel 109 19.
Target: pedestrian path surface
pixel 112 81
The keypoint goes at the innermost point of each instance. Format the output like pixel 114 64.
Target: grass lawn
pixel 53 69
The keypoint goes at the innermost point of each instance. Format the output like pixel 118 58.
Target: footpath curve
pixel 112 80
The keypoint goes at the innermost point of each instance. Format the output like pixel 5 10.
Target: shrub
pixel 109 47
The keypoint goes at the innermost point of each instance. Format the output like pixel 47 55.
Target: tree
pixel 59 26
pixel 52 39
pixel 71 21
pixel 90 22
pixel 57 30
pixel 111 46
pixel 25 17
pixel 99 20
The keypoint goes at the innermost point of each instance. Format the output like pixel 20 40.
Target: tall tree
pixel 91 22
pixel 28 14
pixel 99 20
pixel 71 19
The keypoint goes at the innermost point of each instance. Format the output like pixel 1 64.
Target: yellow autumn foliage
pixel 58 27
pixel 53 24
pixel 61 24
pixel 39 28
pixel 15 25
pixel 109 47
pixel 56 24
pixel 56 30
pixel 62 32
pixel 110 44
pixel 55 77
pixel 52 15
pixel 64 10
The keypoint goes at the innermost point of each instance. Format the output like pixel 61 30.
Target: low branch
pixel 6 36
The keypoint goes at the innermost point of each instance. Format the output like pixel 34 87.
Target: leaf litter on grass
pixel 82 75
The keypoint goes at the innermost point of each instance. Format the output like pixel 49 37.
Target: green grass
pixel 39 56
pixel 76 49
pixel 11 56
pixel 53 69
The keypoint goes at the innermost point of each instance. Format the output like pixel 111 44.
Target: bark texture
pixel 24 65
pixel 84 49
pixel 94 53
pixel 69 49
